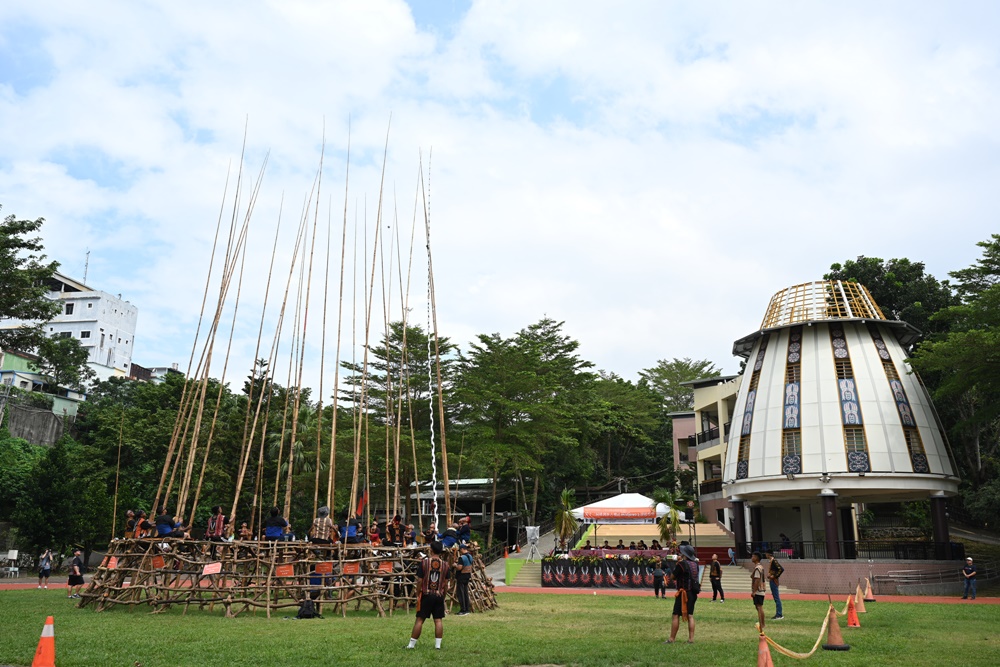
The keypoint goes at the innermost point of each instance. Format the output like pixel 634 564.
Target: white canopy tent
pixel 623 508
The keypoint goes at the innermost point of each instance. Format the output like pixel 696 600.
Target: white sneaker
pixel 39 585
pixel 46 586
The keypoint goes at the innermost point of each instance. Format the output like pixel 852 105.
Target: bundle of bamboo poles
pixel 243 576
pixel 189 449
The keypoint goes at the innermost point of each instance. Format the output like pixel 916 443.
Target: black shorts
pixel 431 605
pixel 691 599
pixel 758 600
pixel 75 580
pixel 44 573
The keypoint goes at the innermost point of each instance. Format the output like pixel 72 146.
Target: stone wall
pixel 37 426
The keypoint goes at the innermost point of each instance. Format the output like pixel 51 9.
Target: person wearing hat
pixel 969 572
pixel 464 576
pixel 322 526
pixel 686 576
pixel 75 574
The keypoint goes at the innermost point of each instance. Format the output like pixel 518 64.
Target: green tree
pixel 24 275
pixel 63 362
pixel 565 522
pixel 17 460
pixel 901 288
pixel 666 377
pixel 670 523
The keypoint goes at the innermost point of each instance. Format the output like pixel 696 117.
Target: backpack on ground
pixel 307 609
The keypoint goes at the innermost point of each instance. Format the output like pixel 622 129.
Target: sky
pixel 649 173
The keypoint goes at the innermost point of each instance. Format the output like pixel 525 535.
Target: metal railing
pixel 710 486
pixel 866 550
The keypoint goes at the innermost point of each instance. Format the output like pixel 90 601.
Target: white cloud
pixel 650 173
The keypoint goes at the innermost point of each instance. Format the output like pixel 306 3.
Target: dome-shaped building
pixel 828 415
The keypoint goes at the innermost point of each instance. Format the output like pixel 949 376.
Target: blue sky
pixel 649 172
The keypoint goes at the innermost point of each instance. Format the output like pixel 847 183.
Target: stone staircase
pixel 530 575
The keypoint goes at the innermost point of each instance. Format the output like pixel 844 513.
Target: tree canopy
pixel 24 274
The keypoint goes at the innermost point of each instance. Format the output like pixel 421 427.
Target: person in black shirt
pixel 75 575
pixel 274 525
pixel 715 576
pixel 969 572
pixel 686 576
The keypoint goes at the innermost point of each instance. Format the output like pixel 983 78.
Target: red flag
pixel 362 502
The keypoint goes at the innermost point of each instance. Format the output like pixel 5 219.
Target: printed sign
pixel 113 563
pixel 284 571
pixel 351 568
pixel 324 568
pixel 158 562
pixel 212 568
pixel 385 567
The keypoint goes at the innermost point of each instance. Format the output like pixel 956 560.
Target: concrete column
pixel 847 530
pixel 829 499
pixel 739 526
pixel 723 409
pixel 939 524
pixel 756 526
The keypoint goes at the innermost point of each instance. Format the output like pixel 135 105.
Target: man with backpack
pixel 432 583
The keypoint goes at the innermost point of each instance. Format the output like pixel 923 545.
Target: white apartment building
pixel 103 323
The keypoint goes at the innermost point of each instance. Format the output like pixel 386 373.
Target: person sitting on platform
pixel 168 526
pixel 394 532
pixel 620 545
pixel 142 526
pixel 245 532
pixel 465 530
pixel 322 527
pixel 274 525
pixel 631 545
pixel 373 535
pixel 410 536
pixel 216 527
pixel 641 545
pixel 587 546
pixel 129 524
pixel 655 546
pixel 605 545
pixel 431 534
pixel 450 537
pixel 352 532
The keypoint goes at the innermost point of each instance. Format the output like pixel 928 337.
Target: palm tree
pixel 669 523
pixel 565 524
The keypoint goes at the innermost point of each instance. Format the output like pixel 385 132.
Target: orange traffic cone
pixel 764 654
pixel 45 654
pixel 518 547
pixel 505 554
pixel 852 613
pixel 859 601
pixel 869 596
pixel 834 640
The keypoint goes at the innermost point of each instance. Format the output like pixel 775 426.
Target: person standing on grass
pixel 658 574
pixel 75 575
pixel 44 568
pixel 686 576
pixel 969 572
pixel 757 587
pixel 774 572
pixel 715 576
pixel 464 576
pixel 432 583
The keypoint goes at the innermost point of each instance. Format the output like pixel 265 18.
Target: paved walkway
pixel 632 592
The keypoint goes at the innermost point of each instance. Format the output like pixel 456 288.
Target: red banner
pixel 619 513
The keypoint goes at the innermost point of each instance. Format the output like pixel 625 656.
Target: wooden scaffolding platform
pixel 246 576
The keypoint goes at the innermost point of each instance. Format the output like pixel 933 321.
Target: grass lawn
pixel 525 630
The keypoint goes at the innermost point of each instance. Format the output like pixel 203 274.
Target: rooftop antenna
pixel 86 267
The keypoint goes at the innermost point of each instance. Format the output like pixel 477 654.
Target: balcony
pixel 710 486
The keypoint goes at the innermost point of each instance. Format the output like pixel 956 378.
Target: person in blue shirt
pixel 465 530
pixel 349 533
pixel 166 526
pixel 464 568
pixel 450 537
pixel 274 525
